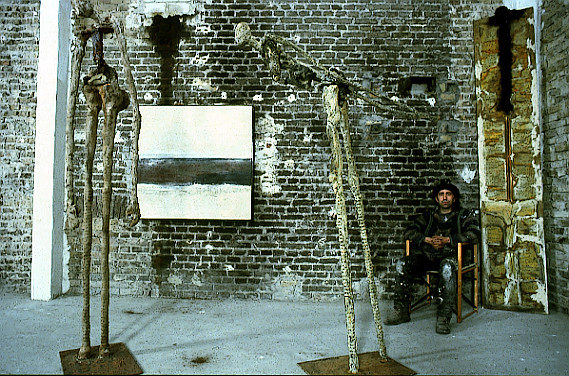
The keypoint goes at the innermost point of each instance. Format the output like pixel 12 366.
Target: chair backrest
pixel 407 247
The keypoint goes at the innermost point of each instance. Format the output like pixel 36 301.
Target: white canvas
pixel 196 162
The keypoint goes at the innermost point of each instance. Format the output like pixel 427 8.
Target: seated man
pixel 435 235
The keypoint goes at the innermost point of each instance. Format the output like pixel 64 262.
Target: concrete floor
pixel 272 337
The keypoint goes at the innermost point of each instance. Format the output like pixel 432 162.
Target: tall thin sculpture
pixel 102 92
pixel 335 95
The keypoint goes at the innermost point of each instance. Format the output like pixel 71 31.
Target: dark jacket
pixel 460 226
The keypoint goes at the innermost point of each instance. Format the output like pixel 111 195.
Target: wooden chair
pixel 463 269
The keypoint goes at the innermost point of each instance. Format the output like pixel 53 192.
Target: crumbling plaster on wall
pixel 532 209
pixel 535 118
pixel 267 157
pixel 140 12
pixel 287 286
pixel 467 175
pixel 513 245
pixel 510 225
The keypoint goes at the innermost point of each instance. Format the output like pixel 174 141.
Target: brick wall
pixel 19 32
pixel 290 249
pixel 555 48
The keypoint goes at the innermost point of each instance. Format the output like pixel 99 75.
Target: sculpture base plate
pixel 370 364
pixel 119 362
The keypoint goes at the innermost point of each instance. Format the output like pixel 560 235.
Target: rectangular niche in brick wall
pixel 196 162
pixel 416 85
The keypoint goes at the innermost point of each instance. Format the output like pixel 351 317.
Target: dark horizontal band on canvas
pixel 195 171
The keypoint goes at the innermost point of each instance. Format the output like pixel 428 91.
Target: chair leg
pixel 474 268
pixel 459 285
pixel 476 277
pixel 429 297
pixel 424 300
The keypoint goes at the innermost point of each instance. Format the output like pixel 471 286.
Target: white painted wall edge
pixel 49 167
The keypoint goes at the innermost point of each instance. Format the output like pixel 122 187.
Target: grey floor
pixel 166 336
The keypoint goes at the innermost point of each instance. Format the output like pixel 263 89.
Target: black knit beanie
pixel 448 186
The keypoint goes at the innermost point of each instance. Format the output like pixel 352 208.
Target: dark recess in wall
pixel 165 34
pixel 407 85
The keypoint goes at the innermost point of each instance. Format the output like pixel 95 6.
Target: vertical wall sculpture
pixel 511 189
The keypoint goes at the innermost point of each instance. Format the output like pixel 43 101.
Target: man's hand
pixel 437 241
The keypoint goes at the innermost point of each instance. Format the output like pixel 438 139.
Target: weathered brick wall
pixel 19 33
pixel 290 248
pixel 460 131
pixel 555 48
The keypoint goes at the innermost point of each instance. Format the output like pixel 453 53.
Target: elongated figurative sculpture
pixel 102 93
pixel 335 93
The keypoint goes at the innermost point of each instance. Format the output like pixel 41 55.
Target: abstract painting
pixel 196 162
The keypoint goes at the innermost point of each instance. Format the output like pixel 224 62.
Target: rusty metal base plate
pixel 119 362
pixel 370 364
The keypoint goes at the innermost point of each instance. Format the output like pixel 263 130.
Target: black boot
pixel 399 317
pixel 443 325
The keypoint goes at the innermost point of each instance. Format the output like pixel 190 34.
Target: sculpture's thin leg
pixel 330 100
pixel 94 107
pixel 353 181
pixel 108 145
pixel 114 100
pixel 79 45
pixel 133 209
